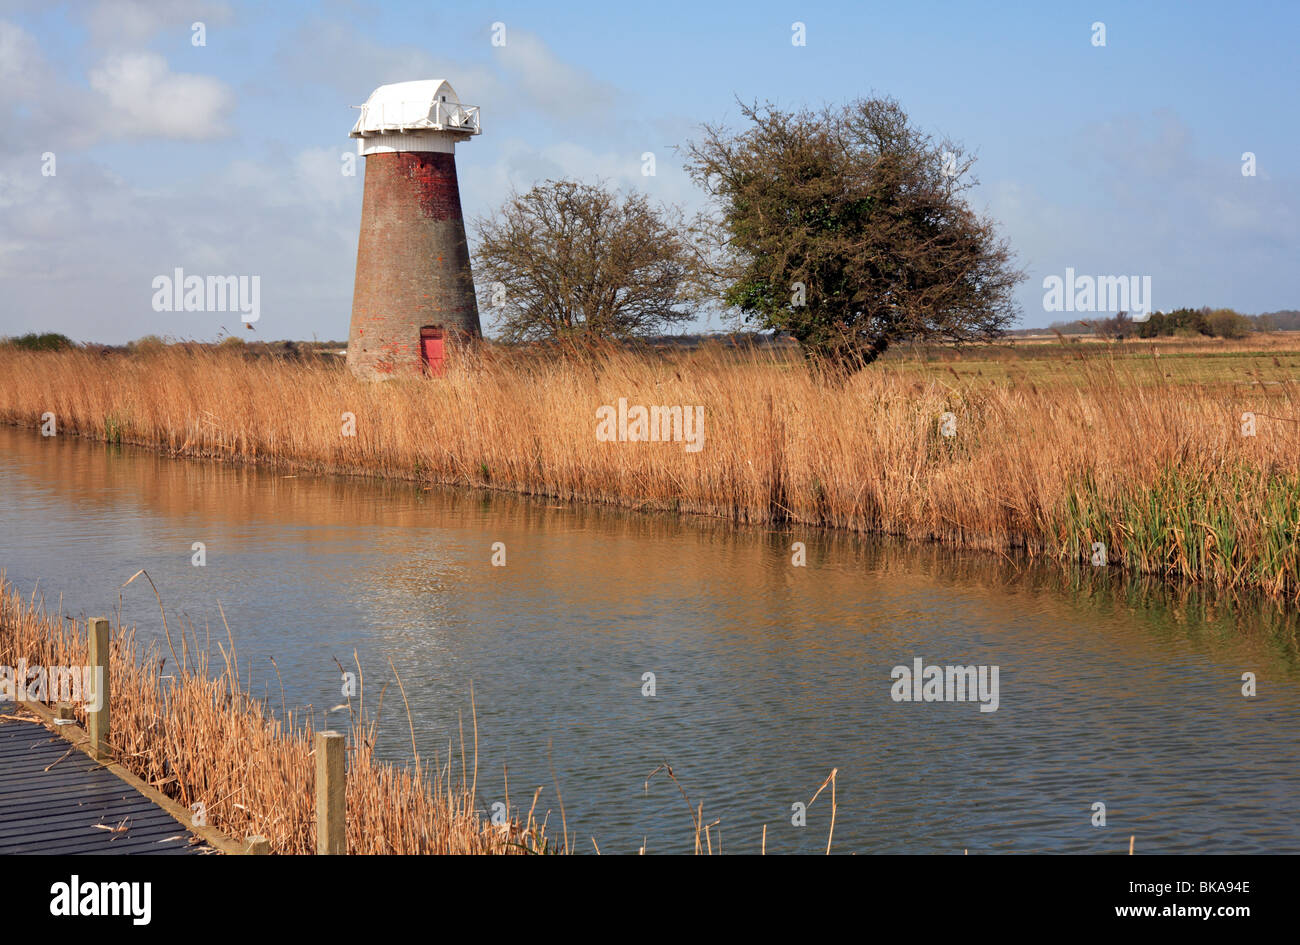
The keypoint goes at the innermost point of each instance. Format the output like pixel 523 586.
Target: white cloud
pixel 318 174
pixel 525 76
pixel 334 56
pixel 131 93
pixel 538 76
pixel 144 97
pixel 117 24
pixel 36 103
pixel 522 164
pixel 22 67
pixel 79 251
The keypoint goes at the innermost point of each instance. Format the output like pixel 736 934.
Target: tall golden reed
pixel 199 736
pixel 1156 469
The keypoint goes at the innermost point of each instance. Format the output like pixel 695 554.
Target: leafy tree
pixel 849 229
pixel 1220 323
pixel 1227 323
pixel 48 341
pixel 574 261
pixel 1181 321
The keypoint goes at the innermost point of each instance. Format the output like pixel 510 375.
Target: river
pixel 766 675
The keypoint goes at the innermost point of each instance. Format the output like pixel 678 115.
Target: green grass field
pixel 1261 359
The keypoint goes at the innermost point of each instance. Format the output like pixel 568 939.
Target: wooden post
pixel 64 712
pixel 331 809
pixel 258 845
pixel 97 719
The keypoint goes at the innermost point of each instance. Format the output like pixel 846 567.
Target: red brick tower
pixel 414 293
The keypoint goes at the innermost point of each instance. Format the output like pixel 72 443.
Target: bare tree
pixel 848 229
pixel 574 261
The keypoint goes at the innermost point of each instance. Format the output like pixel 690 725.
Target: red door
pixel 431 351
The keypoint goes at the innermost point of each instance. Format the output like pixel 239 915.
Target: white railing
pixel 418 115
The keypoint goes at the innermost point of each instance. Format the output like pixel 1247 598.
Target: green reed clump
pixel 1234 526
pixel 113 427
pixel 1277 564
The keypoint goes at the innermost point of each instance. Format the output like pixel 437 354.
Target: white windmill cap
pixel 422 106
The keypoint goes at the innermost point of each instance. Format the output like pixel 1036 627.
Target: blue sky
pixel 226 158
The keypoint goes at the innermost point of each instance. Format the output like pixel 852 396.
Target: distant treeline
pixel 52 341
pixel 49 341
pixel 1285 320
pixel 1184 322
pixel 291 349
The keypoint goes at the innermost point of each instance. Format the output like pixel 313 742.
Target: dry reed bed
pixel 200 737
pixel 1160 473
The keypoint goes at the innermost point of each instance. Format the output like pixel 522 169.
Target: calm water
pixel 767 675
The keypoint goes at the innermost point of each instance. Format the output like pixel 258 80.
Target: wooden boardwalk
pixel 54 799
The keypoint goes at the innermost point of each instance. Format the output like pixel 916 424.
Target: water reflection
pixel 768 675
